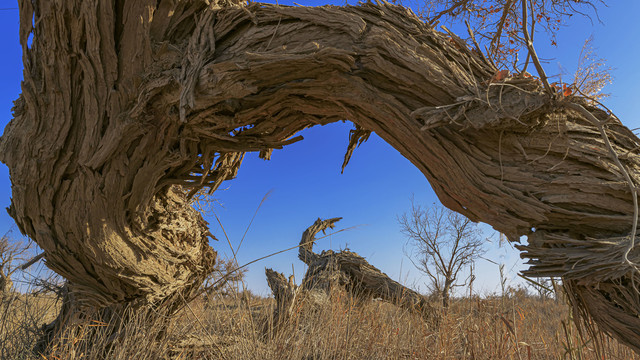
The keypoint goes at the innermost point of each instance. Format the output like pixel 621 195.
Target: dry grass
pixel 512 327
pixel 21 315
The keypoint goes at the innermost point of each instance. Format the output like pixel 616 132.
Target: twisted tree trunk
pixel 127 103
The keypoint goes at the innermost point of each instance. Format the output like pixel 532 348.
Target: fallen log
pixel 344 269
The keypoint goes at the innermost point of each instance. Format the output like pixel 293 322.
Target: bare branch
pixel 448 11
pixel 499 28
pixel 532 50
pixel 445 243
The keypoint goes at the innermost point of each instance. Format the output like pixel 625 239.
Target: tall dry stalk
pixel 593 73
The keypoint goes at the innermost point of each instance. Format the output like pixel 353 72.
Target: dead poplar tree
pixel 126 103
pixel 345 270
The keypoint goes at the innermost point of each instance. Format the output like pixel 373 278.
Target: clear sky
pixel 305 180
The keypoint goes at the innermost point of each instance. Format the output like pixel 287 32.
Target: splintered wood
pixel 345 270
pixel 126 104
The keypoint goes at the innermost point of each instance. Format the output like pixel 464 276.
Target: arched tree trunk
pixel 124 100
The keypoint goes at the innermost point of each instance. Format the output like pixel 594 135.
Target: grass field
pixel 514 326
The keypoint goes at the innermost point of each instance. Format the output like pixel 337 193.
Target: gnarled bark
pixel 123 100
pixel 284 292
pixel 350 270
pixel 329 270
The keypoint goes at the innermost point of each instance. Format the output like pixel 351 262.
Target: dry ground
pixel 240 327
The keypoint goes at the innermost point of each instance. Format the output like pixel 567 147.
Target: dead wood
pixel 345 270
pixel 284 293
pixel 121 101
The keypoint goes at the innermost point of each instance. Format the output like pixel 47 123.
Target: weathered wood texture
pixel 121 100
pixel 344 269
pixel 351 271
pixel 285 293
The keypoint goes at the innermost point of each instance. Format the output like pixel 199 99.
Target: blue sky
pixel 305 180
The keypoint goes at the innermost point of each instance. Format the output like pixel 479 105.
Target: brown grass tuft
pixel 516 326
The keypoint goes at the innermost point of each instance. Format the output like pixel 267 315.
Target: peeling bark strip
pixel 121 100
